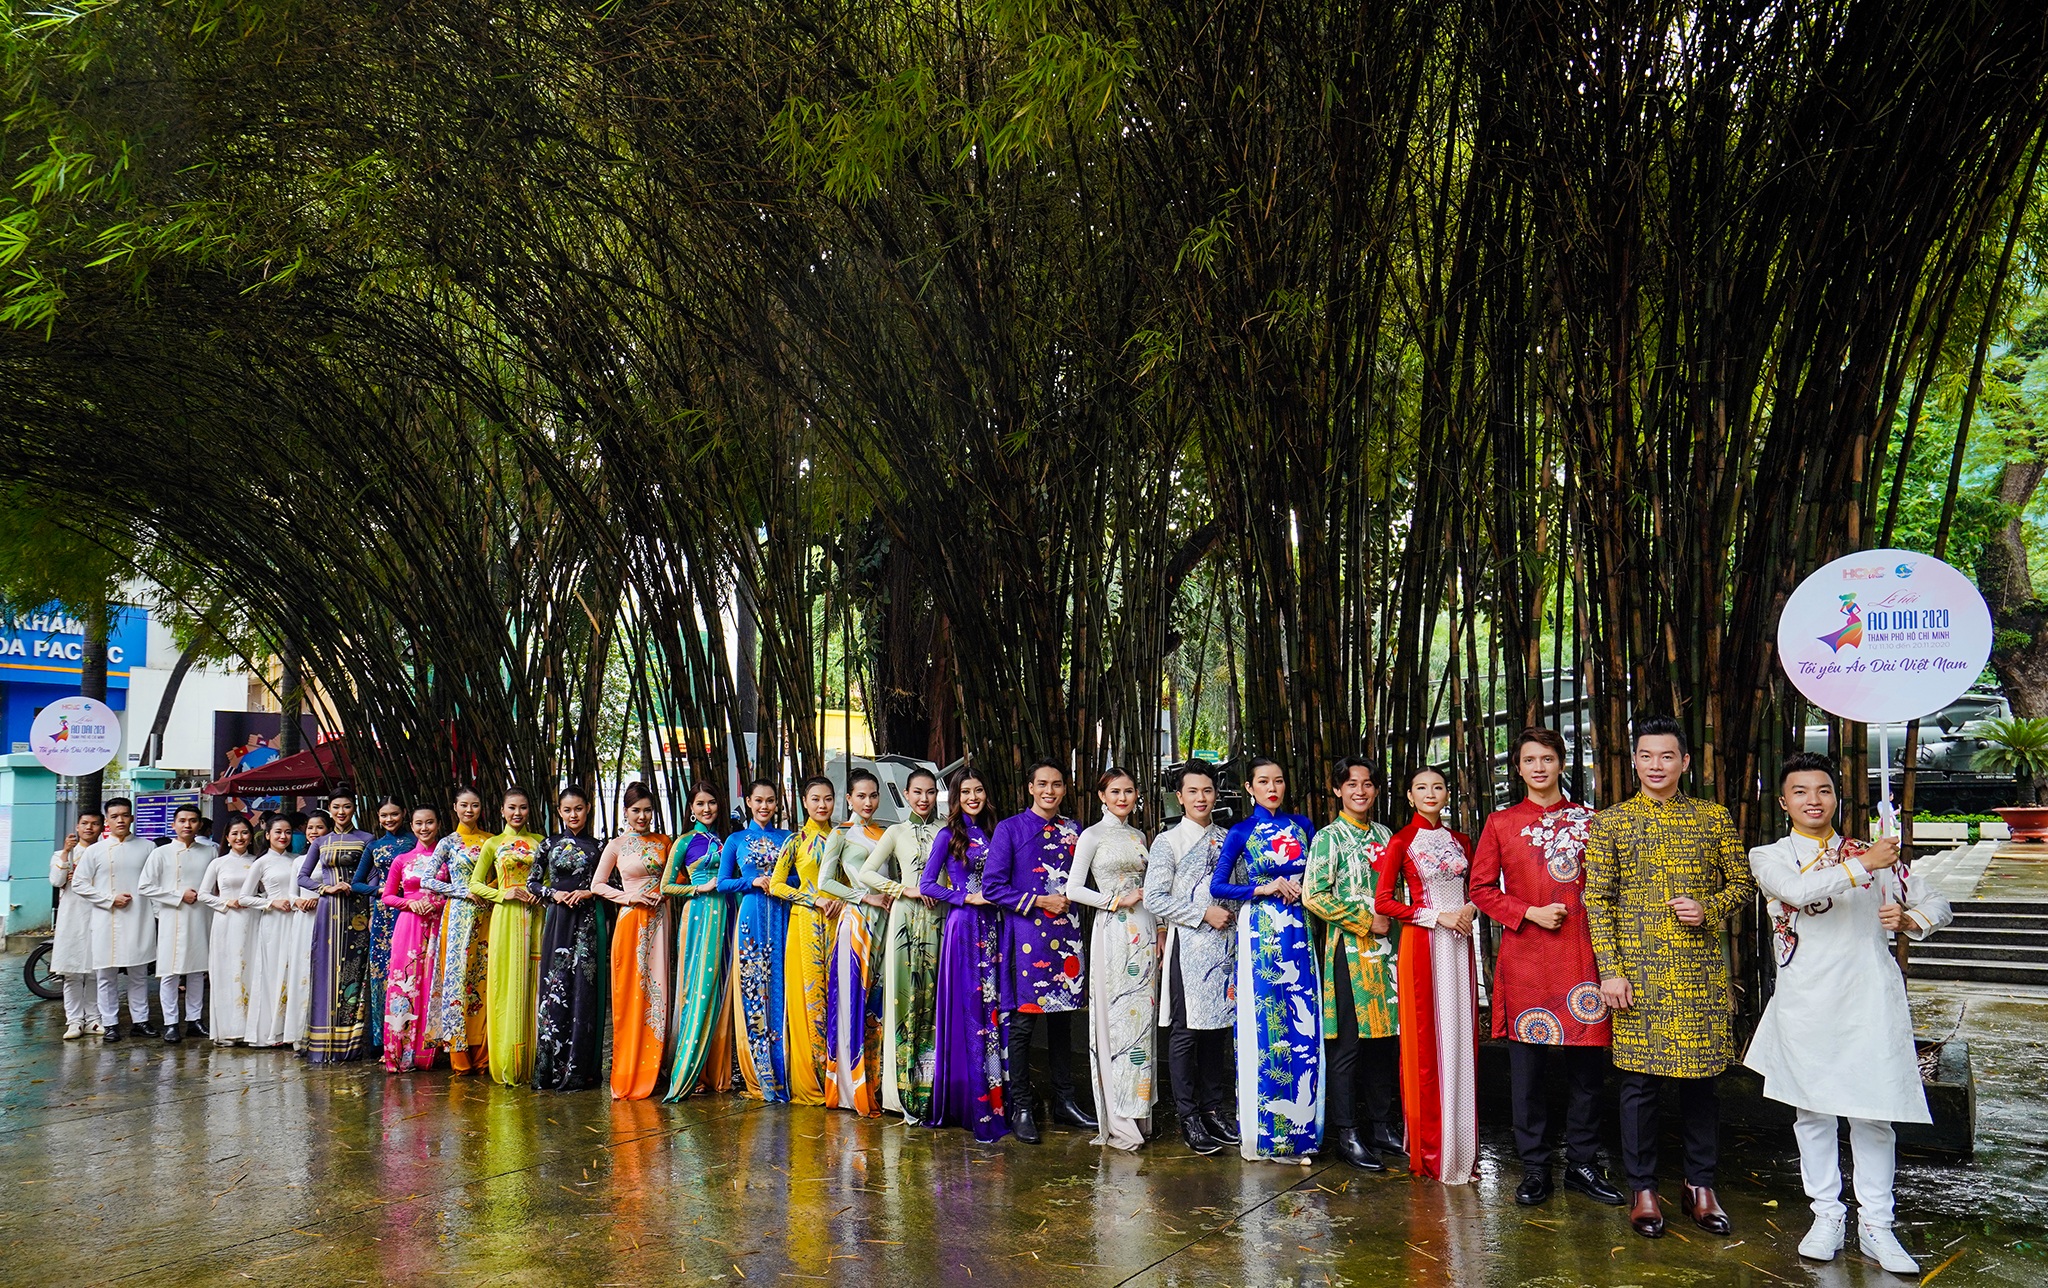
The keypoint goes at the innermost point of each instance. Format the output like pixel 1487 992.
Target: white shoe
pixel 1882 1246
pixel 75 1031
pixel 1824 1240
pixel 95 1028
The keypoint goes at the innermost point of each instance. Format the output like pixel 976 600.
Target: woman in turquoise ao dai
pixel 703 1032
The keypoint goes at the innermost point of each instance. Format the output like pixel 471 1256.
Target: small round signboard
pixel 75 735
pixel 1884 636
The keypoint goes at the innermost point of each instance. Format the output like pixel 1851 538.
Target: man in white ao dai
pixel 1836 1040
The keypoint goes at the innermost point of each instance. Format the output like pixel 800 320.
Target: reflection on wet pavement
pixel 193 1165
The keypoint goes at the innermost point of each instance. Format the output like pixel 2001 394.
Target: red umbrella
pixel 314 771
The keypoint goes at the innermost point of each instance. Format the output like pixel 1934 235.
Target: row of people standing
pixel 1293 972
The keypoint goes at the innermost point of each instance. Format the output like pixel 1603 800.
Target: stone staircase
pixel 1992 941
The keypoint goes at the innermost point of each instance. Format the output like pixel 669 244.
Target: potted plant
pixel 2019 746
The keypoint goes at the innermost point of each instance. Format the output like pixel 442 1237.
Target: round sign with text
pixel 1884 636
pixel 75 736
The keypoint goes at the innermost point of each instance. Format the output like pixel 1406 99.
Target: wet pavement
pixel 193 1165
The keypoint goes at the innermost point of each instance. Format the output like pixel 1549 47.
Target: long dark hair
pixel 957 818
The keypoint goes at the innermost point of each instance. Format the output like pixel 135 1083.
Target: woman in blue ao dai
pixel 760 927
pixel 1279 999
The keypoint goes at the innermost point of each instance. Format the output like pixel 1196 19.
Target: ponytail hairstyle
pixel 958 818
pixel 636 791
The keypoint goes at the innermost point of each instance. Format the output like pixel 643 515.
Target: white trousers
pixel 78 999
pixel 1820 1166
pixel 110 994
pixel 195 994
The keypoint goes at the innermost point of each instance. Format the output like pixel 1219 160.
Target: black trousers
pixel 1699 1112
pixel 1585 1071
pixel 1199 1060
pixel 1347 1054
pixel 1059 1043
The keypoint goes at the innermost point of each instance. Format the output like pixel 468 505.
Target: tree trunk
pixel 92 683
pixel 2019 618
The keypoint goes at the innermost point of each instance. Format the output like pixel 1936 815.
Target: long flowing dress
pixel 227 946
pixel 368 885
pixel 853 991
pixel 910 967
pixel 1123 979
pixel 1279 1016
pixel 512 964
pixel 761 924
pixel 703 1036
pixel 972 1043
pixel 1439 999
pixel 574 984
pixel 415 956
pixel 805 953
pixel 271 966
pixel 640 967
pixel 341 933
pixel 457 1019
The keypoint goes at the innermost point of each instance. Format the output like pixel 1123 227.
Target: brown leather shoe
pixel 1646 1217
pixel 1699 1203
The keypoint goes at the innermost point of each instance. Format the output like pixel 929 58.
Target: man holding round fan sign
pixel 1878 637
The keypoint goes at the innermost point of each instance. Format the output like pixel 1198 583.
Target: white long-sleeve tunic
pixel 181 928
pixel 227 943
pixel 71 949
pixel 120 936
pixel 1837 1037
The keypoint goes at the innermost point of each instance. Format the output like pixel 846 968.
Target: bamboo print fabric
pixel 1338 888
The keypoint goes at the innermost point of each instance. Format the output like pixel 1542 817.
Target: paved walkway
pixel 190 1165
pixel 1978 871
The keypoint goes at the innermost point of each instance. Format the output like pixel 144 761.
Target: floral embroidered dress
pixel 1546 986
pixel 1439 1000
pixel 1279 1023
pixel 703 1037
pixel 972 1040
pixel 415 955
pixel 910 967
pixel 1123 979
pixel 640 965
pixel 1338 888
pixel 512 964
pixel 568 1044
pixel 806 956
pixel 459 1018
pixel 853 990
pixel 368 884
pixel 761 925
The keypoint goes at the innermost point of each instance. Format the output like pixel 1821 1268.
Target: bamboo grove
pixel 1470 355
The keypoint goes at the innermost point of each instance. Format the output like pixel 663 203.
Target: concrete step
pixel 1960 951
pixel 2017 907
pixel 1980 972
pixel 1974 934
pixel 1972 916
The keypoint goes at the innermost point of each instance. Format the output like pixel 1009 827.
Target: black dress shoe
pixel 1066 1109
pixel 1586 1179
pixel 1221 1127
pixel 196 1029
pixel 1385 1141
pixel 1535 1188
pixel 1197 1137
pixel 171 1035
pixel 145 1029
pixel 113 1033
pixel 1347 1146
pixel 1023 1120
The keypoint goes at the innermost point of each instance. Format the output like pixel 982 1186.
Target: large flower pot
pixel 2029 823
